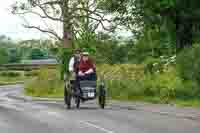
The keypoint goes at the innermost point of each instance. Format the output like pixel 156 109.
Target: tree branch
pixel 44 31
pixel 48 16
pixel 30 12
pixel 56 2
pixel 100 21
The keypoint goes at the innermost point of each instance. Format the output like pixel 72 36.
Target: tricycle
pixel 82 91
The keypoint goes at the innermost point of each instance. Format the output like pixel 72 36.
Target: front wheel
pixel 102 97
pixel 77 100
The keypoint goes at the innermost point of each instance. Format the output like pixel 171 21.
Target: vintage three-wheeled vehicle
pixel 85 90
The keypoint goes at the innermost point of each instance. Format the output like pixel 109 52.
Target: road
pixel 27 116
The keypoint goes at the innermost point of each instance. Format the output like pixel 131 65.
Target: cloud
pixel 11 25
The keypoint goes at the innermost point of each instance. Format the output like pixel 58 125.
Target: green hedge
pixel 129 82
pixel 47 83
pixel 10 74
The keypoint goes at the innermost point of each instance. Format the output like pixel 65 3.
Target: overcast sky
pixel 11 25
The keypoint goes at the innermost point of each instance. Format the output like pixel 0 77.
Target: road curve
pixel 26 116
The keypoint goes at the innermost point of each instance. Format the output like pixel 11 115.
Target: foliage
pixel 188 64
pixel 64 57
pixel 87 41
pixel 32 73
pixel 47 83
pixel 176 20
pixel 11 77
pixel 159 65
pixel 129 82
pixel 10 74
pixel 14 55
pixel 37 53
pixel 66 12
pixel 4 57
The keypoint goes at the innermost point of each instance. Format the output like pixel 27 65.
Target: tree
pixel 71 13
pixel 36 53
pixel 14 55
pixel 4 58
pixel 176 20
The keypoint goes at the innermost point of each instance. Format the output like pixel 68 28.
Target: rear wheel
pixel 102 97
pixel 67 96
pixel 102 101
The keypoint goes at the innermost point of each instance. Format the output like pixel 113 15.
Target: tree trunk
pixel 66 51
pixel 67 26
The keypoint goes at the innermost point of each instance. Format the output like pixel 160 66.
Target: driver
pixel 74 61
pixel 74 67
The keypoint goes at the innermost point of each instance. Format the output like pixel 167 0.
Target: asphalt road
pixel 26 116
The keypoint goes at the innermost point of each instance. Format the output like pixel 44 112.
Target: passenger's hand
pixel 81 73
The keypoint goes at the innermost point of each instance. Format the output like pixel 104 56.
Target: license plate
pixel 91 94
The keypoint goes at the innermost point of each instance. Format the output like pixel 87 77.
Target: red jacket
pixel 86 65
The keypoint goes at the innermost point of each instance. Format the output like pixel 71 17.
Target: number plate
pixel 91 94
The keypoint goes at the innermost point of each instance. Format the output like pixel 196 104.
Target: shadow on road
pixel 85 106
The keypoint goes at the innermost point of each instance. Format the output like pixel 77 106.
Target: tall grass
pixel 124 82
pixel 46 84
pixel 130 82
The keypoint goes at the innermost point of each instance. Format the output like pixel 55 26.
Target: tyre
pixel 102 101
pixel 102 98
pixel 67 97
pixel 78 101
pixel 77 97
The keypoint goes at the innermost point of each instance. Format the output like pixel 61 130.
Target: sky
pixel 11 25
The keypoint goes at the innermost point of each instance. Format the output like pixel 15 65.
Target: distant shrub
pixel 188 64
pixel 129 82
pixel 32 73
pixel 46 83
pixel 190 90
pixel 10 74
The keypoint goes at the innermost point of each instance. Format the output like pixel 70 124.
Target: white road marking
pixel 96 126
pixel 53 113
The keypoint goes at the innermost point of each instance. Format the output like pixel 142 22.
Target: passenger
pixel 87 68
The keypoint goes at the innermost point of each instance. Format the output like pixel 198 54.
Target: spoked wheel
pixel 67 96
pixel 77 98
pixel 102 97
pixel 102 101
pixel 77 101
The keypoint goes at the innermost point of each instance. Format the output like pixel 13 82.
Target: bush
pixel 46 84
pixel 11 74
pixel 188 64
pixel 161 64
pixel 129 82
pixel 190 90
pixel 37 53
pixel 32 73
pixel 4 57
